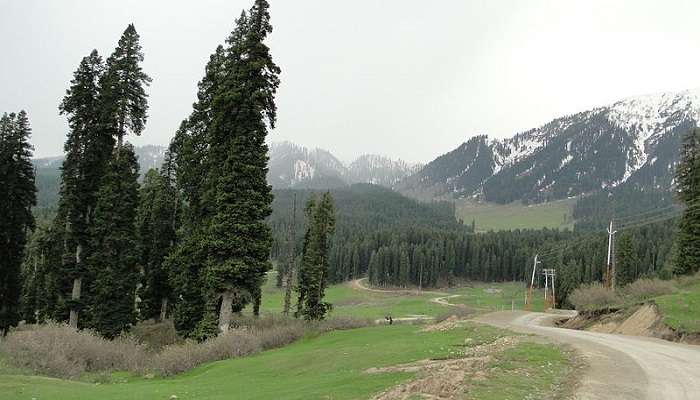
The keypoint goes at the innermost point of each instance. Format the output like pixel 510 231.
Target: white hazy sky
pixel 409 79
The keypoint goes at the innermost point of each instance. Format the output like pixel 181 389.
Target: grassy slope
pixel 681 310
pixel 328 365
pixel 555 214
pixel 358 303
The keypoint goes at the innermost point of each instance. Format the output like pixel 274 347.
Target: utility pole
pixel 528 300
pixel 291 268
pixel 549 299
pixel 610 266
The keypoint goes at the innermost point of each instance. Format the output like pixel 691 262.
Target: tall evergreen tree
pixel 114 260
pixel 626 260
pixel 156 225
pixel 314 272
pixel 123 98
pixel 687 257
pixel 238 239
pixel 17 197
pixel 87 150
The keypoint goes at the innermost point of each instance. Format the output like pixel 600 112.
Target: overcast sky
pixel 409 79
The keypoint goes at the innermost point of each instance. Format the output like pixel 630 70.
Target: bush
pixel 643 289
pixel 155 335
pixel 593 297
pixel 178 358
pixel 57 350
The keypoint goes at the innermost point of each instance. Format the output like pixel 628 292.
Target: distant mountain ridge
pixel 294 166
pixel 634 141
pixel 290 166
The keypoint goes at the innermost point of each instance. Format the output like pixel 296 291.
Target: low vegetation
pixel 57 350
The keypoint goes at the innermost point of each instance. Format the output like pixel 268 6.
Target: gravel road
pixel 620 367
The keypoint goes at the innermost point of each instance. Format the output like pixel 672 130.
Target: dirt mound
pixel 443 379
pixel 450 323
pixel 644 320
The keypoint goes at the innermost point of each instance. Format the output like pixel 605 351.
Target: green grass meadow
pixel 497 217
pixel 325 366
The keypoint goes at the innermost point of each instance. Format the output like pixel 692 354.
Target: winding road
pixel 619 367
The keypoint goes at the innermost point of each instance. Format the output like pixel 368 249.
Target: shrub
pixel 593 297
pixel 155 335
pixel 643 289
pixel 58 350
pixel 178 358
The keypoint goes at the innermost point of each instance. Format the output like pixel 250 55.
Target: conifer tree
pixel 114 260
pixel 156 236
pixel 687 245
pixel 87 150
pixel 17 197
pixel 238 239
pixel 626 260
pixel 123 98
pixel 189 154
pixel 314 272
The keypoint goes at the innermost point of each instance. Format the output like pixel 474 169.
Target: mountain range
pixel 294 166
pixel 634 141
pixel 290 166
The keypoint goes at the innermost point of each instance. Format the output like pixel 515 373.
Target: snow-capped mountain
pixel 149 156
pixel 380 170
pixel 296 166
pixel 633 141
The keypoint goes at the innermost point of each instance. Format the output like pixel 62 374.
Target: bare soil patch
pixel 444 379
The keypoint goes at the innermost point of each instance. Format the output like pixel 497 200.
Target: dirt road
pixel 620 367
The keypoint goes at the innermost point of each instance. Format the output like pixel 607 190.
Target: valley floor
pixel 450 359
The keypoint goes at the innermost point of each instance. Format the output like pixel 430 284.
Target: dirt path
pixel 442 299
pixel 620 367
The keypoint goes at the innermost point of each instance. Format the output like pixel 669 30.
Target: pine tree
pixel 87 150
pixel 156 236
pixel 687 255
pixel 123 98
pixel 314 270
pixel 114 260
pixel 626 260
pixel 238 239
pixel 17 197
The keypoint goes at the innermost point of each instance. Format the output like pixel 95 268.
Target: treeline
pixel 192 242
pixel 363 212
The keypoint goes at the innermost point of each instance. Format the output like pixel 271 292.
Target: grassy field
pixel 486 297
pixel 348 301
pixel 681 310
pixel 488 216
pixel 332 365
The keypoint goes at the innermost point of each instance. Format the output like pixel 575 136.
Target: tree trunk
pixel 225 310
pixel 163 308
pixel 75 296
pixel 77 286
